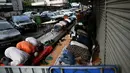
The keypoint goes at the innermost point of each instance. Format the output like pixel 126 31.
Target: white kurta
pixel 17 56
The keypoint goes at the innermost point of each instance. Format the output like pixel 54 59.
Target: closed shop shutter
pixel 100 10
pixel 117 33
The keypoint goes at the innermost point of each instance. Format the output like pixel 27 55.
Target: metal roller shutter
pixel 117 33
pixel 101 26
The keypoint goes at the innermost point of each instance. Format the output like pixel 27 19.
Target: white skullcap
pixel 32 40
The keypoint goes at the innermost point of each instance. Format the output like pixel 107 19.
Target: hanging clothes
pixel 26 47
pixel 17 56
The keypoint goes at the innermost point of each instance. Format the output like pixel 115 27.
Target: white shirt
pixel 78 44
pixel 68 20
pixel 59 24
pixel 17 56
pixel 63 23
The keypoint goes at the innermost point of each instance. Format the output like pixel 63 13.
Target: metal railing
pixel 24 69
pixel 59 69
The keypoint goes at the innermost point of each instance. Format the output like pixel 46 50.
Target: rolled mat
pixel 42 55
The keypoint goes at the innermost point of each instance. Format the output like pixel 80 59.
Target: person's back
pixel 35 42
pixel 17 56
pixel 26 47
